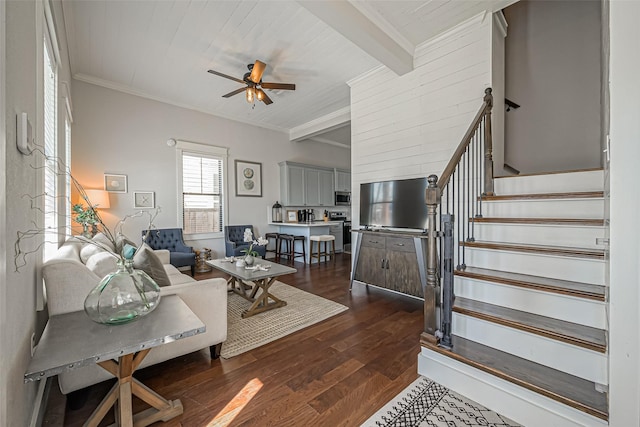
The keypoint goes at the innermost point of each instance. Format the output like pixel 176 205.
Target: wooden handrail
pixel 466 139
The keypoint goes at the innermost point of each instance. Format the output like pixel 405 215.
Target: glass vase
pixel 122 296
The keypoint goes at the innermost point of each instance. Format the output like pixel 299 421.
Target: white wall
pixel 409 126
pixel 21 68
pixel 624 337
pixel 553 71
pixel 120 133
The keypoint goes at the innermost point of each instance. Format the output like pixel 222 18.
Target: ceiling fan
pixel 254 84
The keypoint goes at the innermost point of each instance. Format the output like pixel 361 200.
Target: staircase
pixel 529 322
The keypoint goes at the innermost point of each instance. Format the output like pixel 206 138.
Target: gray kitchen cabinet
pixel 343 180
pixel 306 185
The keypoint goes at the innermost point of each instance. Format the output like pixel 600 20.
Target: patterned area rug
pixel 303 309
pixel 426 403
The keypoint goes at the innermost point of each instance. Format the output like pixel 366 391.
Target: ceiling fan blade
pixel 225 76
pixel 257 71
pixel 235 92
pixel 262 96
pixel 283 86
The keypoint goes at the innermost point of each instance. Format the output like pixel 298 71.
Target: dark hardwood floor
pixel 335 373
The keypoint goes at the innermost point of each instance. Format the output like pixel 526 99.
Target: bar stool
pixel 290 251
pixel 324 238
pixel 276 248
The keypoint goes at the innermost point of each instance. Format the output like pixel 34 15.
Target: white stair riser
pixel 521 405
pixel 554 267
pixel 545 208
pixel 564 357
pixel 552 183
pixel 536 234
pixel 571 309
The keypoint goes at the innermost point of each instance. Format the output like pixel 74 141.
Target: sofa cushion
pixel 147 261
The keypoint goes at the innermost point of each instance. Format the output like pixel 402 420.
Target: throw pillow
pixel 128 251
pixel 147 261
pixel 104 241
pixel 102 263
pixel 88 250
pixel 122 241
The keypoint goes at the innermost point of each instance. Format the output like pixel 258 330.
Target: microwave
pixel 343 198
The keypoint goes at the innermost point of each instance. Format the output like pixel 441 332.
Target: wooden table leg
pixel 121 394
pixel 261 303
pixel 239 287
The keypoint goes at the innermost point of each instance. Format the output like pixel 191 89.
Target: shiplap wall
pixel 409 126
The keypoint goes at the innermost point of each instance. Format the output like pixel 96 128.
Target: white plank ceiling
pixel 162 49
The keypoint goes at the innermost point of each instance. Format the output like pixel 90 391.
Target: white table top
pixel 306 224
pixel 73 340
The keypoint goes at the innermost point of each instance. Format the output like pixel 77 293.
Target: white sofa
pixel 68 280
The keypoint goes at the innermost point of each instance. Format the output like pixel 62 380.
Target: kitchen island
pixel 306 229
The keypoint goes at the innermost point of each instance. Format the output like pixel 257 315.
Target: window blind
pixel 50 151
pixel 202 193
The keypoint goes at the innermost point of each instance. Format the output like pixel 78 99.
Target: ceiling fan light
pixel 250 95
pixel 259 95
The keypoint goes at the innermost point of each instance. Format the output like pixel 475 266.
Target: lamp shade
pixel 98 198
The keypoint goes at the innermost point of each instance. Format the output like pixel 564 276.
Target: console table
pixel 72 340
pixel 390 260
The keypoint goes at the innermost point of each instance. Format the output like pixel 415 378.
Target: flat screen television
pixel 394 204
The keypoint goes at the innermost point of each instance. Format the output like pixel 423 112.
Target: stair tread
pixel 578 289
pixel 560 386
pixel 551 221
pixel 572 333
pixel 543 196
pixel 572 171
pixel 542 249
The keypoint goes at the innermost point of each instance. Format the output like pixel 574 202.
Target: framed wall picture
pixel 292 216
pixel 248 179
pixel 115 183
pixel 144 200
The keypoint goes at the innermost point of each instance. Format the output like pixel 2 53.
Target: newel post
pixel 488 144
pixel 431 291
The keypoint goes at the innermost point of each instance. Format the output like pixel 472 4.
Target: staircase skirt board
pixel 565 182
pixel 566 287
pixel 577 361
pixel 528 393
pixel 539 234
pixel 572 333
pixel 564 307
pixel 588 208
pixel 563 268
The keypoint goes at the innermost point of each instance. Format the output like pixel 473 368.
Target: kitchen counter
pixel 306 224
pixel 306 229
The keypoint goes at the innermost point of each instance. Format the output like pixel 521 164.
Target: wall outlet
pixel 33 343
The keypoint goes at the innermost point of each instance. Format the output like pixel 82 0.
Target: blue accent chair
pixel 180 255
pixel 234 240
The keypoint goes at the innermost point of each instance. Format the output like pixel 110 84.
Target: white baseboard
pixel 521 405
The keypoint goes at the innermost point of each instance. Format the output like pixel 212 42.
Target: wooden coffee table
pixel 247 283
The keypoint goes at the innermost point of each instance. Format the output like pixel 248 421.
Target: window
pixel 201 188
pixel 67 176
pixel 50 151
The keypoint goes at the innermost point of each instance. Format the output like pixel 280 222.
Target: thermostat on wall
pixel 24 137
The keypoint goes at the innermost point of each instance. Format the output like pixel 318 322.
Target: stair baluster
pixel 469 171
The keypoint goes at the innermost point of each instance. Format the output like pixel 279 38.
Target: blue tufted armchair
pixel 234 240
pixel 180 254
